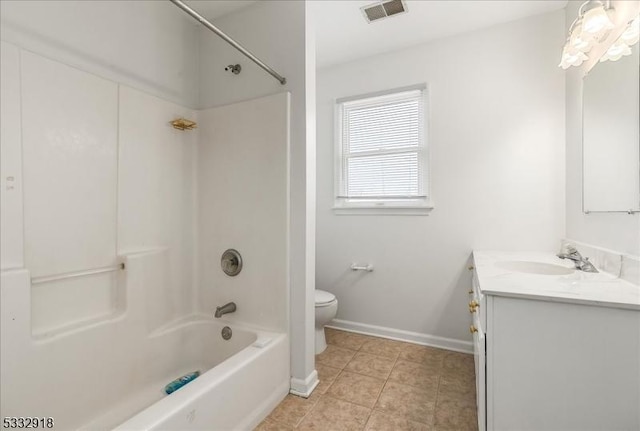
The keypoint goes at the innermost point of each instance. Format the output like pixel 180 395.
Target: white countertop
pixel 578 287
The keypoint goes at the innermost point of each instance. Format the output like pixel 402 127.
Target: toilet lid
pixel 323 297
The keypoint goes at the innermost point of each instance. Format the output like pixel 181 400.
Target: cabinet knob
pixel 470 267
pixel 470 291
pixel 474 304
pixel 473 329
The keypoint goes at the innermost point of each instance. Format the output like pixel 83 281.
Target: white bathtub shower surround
pixel 291 51
pixel 157 196
pixel 98 376
pixel 93 351
pixel 99 180
pixel 11 211
pixel 70 156
pixel 243 203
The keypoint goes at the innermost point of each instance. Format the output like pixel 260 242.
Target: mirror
pixel 611 136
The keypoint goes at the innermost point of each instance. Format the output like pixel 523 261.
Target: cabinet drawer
pixel 477 304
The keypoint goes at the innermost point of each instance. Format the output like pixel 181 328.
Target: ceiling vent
pixel 384 9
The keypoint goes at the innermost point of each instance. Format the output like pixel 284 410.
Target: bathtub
pixel 110 374
pixel 242 379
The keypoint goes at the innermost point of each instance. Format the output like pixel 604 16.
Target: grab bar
pixel 368 267
pixel 49 278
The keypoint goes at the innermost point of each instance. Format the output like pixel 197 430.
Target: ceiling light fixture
pixel 589 28
pixel 631 35
pixel 622 46
pixel 596 19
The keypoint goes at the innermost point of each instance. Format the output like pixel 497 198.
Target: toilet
pixel 326 309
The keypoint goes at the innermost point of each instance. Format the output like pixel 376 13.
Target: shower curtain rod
pixel 227 39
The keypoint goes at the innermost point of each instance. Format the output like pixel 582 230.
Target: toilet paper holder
pixel 368 267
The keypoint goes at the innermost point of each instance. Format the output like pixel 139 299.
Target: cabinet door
pixel 479 352
pixel 560 366
pixel 479 346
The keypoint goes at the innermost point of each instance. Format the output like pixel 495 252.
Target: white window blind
pixel 382 149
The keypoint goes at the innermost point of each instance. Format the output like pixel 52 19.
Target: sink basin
pixel 534 267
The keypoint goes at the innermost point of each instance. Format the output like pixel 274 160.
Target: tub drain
pixel 226 333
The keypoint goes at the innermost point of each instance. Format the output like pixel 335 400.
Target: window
pixel 381 152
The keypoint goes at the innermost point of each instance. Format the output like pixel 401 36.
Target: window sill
pixel 383 210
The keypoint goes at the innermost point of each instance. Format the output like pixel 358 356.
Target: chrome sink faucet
pixel 225 309
pixel 581 263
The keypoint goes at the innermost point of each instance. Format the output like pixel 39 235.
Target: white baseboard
pixel 303 388
pixel 400 335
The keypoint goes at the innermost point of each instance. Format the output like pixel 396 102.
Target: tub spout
pixel 226 308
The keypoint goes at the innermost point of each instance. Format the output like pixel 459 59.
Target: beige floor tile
pixel 268 425
pixel 334 356
pixel 427 389
pixel 458 366
pixel 356 388
pixel 416 404
pixel 461 392
pixel 381 347
pixel 452 416
pixel 292 409
pixel 380 421
pixel 326 375
pixel 423 354
pixel 370 365
pixel 330 414
pixel 415 374
pixel 348 340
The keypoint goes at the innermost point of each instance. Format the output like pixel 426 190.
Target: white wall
pixel 243 204
pixel 278 32
pixel 616 231
pixel 496 143
pixel 150 45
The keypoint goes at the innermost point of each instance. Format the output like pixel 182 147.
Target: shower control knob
pixel 231 262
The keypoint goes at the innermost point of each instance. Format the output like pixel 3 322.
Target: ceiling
pixel 215 9
pixel 342 33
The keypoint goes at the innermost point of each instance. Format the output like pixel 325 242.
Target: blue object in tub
pixel 178 383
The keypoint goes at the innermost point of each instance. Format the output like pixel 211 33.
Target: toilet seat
pixel 324 298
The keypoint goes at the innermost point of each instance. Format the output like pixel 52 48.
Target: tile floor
pixel 369 383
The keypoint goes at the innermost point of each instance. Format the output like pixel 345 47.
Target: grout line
pixel 386 381
pixel 435 403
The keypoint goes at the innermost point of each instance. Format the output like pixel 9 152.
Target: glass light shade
pixel 616 51
pixel 596 20
pixel 579 40
pixel 571 57
pixel 631 34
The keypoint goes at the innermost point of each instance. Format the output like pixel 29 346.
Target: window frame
pixel 409 206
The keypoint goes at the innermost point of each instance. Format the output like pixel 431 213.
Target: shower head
pixel 234 68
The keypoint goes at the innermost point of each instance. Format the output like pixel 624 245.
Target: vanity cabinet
pixel 551 364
